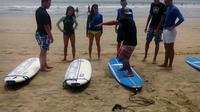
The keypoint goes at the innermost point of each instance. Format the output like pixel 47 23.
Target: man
pixel 88 9
pixel 43 33
pixel 156 16
pixel 118 28
pixel 169 32
pixel 129 40
pixel 77 11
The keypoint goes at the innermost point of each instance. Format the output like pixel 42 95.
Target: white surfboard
pixel 78 73
pixel 23 72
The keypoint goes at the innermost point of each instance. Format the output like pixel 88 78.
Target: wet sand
pixel 164 91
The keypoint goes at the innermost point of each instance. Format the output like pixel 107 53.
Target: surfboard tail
pixel 10 82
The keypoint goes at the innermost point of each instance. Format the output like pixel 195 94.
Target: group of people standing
pixel 162 19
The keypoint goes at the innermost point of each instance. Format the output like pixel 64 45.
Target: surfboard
pixel 194 62
pixel 23 72
pixel 78 73
pixel 134 82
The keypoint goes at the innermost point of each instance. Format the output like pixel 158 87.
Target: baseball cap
pixel 126 11
pixel 123 0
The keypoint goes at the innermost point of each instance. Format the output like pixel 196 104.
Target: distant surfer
pixel 77 11
pixel 43 33
pixel 88 9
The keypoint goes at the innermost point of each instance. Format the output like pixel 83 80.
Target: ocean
pixel 26 8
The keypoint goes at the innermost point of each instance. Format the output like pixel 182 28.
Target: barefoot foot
pixel 129 75
pixel 163 65
pixel 144 59
pixel 49 67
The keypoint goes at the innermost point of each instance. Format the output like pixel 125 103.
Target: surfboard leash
pixel 138 102
pixel 120 107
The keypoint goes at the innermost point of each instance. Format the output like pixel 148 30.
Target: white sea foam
pixel 107 9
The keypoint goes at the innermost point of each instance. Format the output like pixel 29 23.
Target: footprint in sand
pixel 7 52
pixel 84 53
pixel 59 54
pixel 140 100
pixel 24 53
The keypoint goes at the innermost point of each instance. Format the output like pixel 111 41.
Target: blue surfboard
pixel 134 82
pixel 194 62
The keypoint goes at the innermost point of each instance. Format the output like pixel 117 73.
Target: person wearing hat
pixel 129 38
pixel 118 28
pixel 156 16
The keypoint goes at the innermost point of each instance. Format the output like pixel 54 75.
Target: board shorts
pixel 125 53
pixel 94 32
pixel 169 36
pixel 150 35
pixel 43 41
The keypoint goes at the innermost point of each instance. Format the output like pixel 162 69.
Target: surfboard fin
pixel 64 84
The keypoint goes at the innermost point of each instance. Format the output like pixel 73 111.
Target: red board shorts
pixel 125 53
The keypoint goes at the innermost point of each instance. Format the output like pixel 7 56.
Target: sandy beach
pixel 164 91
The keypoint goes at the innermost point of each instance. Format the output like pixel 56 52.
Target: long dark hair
pixel 92 11
pixel 70 7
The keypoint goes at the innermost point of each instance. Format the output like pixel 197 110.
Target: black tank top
pixel 68 23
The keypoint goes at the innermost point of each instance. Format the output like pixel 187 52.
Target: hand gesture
pixel 171 28
pixel 156 31
pixel 51 39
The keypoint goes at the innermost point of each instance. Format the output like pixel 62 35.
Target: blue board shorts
pixel 43 41
pixel 150 35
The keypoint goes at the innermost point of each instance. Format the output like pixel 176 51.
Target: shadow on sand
pixel 76 89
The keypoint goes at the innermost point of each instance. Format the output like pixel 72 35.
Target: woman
pixel 70 24
pixel 94 18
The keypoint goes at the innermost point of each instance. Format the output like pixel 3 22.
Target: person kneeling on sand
pixel 130 39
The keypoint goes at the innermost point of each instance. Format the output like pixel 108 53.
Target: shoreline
pixel 107 10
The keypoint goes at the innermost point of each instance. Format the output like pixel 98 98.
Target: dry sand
pixel 168 91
